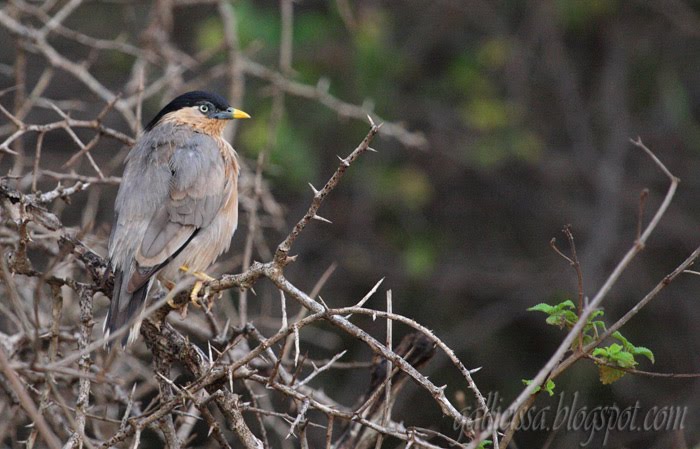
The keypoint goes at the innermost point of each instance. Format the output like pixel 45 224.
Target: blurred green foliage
pixel 256 24
pixel 578 15
pixel 403 187
pixel 292 163
pixel 420 257
pixel 209 33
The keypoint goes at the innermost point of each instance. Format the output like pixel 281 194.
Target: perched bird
pixel 177 206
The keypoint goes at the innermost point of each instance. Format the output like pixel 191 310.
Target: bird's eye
pixel 204 108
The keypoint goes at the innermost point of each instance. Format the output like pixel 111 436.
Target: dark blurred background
pixel 527 109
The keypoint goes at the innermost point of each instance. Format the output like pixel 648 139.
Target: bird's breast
pixel 214 239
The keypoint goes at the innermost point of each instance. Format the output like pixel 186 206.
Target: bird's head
pixel 204 111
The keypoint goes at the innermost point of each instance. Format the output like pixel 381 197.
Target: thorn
pixel 9 151
pixel 292 258
pixel 252 290
pixel 323 303
pixel 323 85
pixel 57 109
pixel 475 370
pixel 371 122
pixel 211 359
pixel 230 379
pixel 320 218
pixel 211 429
pixel 343 161
pixel 296 345
pixel 372 150
pixel 170 382
pixel 314 189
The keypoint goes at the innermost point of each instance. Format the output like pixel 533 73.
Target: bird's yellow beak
pixel 237 113
pixel 230 113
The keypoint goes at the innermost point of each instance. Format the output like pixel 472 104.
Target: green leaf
pixel 614 349
pixel 598 324
pixel 635 350
pixel 560 315
pixel 613 355
pixel 565 318
pixel 528 382
pixel 484 443
pixel 568 304
pixel 596 314
pixel 609 375
pixel 624 359
pixel 587 339
pixel 541 307
pixel 622 355
pixel 625 342
pixel 600 352
pixel 646 352
pixel 549 387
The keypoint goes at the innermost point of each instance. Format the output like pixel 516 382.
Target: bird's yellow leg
pixel 170 285
pixel 202 278
pixel 171 300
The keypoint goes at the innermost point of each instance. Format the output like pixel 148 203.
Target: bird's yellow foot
pixel 202 278
pixel 182 309
pixel 171 299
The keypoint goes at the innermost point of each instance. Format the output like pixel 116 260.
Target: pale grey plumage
pixel 177 205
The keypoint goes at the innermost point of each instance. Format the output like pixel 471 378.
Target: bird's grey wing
pixel 144 187
pixel 173 185
pixel 196 190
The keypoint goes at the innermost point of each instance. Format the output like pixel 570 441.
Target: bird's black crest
pixel 189 99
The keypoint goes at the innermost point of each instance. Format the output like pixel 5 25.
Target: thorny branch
pixel 211 373
pixel 556 364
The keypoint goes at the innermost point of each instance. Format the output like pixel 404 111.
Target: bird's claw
pixel 194 294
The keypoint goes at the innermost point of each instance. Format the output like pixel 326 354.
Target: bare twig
pixel 523 398
pixel 27 403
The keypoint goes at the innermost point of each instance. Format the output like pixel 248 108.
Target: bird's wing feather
pixel 195 195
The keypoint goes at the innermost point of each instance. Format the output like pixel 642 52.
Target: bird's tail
pixel 123 308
